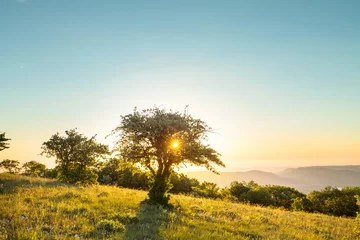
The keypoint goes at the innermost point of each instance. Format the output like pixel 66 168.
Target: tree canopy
pixel 161 140
pixel 76 156
pixel 3 142
pixel 12 166
pixel 34 168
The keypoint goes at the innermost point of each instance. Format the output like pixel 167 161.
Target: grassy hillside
pixel 32 208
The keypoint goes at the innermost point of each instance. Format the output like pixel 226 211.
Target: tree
pixel 34 168
pixel 301 204
pixel 12 166
pixel 259 195
pixel 51 172
pixel 333 201
pixel 76 156
pixel 160 141
pixel 239 190
pixel 3 141
pixel 208 190
pixel 118 172
pixel 284 196
pixel 182 183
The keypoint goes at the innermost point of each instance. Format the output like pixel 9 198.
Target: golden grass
pixel 32 208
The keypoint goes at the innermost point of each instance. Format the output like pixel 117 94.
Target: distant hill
pixel 305 179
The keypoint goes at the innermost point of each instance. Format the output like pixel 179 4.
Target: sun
pixel 175 144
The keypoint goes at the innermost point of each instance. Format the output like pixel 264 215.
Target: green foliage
pixel 11 166
pixel 148 138
pixel 34 169
pixel 335 202
pixel 51 172
pixel 121 173
pixel 259 195
pixel 270 195
pixel 302 204
pixel 159 186
pixel 251 193
pixel 125 219
pixel 126 174
pixel 3 142
pixel 208 190
pixel 239 190
pixel 284 196
pixel 182 183
pixel 76 156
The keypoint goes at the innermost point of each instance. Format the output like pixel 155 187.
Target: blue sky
pixel 278 80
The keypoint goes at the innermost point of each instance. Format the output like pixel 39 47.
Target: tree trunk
pixel 159 188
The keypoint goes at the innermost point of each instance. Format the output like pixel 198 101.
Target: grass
pixel 34 208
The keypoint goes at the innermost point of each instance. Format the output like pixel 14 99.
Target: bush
pixel 207 189
pixel 285 196
pixel 120 173
pixel 125 219
pixel 301 204
pixel 182 183
pixel 239 190
pixel 109 226
pixel 333 201
pixel 259 195
pixel 51 173
pixel 250 192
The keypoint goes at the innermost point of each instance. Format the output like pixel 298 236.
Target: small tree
pixel 239 190
pixel 301 204
pixel 76 156
pixel 285 196
pixel 182 183
pixel 161 140
pixel 208 190
pixel 34 168
pixel 334 201
pixel 259 195
pixel 12 166
pixel 3 141
pixel 118 172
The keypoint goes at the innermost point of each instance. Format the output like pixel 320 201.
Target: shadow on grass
pixel 149 219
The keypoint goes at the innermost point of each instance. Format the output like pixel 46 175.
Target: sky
pixel 278 81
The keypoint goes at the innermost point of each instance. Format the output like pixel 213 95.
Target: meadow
pixel 38 208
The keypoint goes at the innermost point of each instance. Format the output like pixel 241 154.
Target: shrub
pixel 182 183
pixel 109 226
pixel 301 204
pixel 207 189
pixel 120 173
pixel 239 190
pixel 259 195
pixel 285 196
pixel 334 201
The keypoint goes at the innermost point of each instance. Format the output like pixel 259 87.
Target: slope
pixel 41 209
